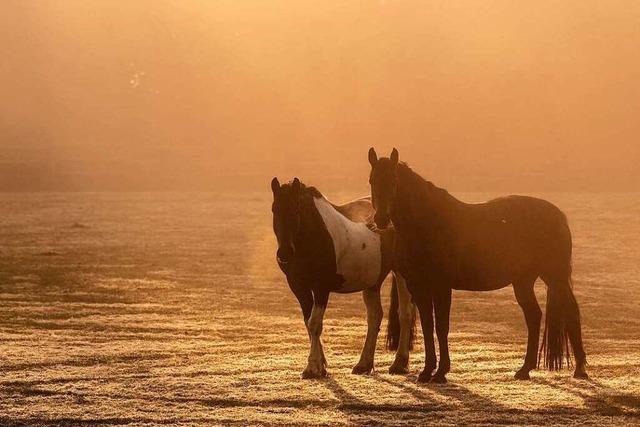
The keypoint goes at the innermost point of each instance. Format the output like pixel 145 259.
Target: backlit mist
pixel 209 95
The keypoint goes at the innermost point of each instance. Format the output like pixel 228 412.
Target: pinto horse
pixel 324 248
pixel 444 244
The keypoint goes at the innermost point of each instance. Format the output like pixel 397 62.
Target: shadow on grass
pixel 360 412
pixel 350 402
pixel 407 385
pixel 491 411
pixel 597 397
pixel 451 391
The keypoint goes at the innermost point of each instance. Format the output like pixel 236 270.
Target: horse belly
pixel 477 284
pixel 493 269
pixel 359 260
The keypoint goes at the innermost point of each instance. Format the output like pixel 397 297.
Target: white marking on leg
pixel 371 299
pixel 357 249
pixel 316 363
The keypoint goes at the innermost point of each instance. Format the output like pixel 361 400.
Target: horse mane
pixel 427 188
pixel 305 190
pixel 343 210
pixel 312 191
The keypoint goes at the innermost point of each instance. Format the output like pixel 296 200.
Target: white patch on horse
pixel 357 249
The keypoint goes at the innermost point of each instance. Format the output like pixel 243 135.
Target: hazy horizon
pixel 169 95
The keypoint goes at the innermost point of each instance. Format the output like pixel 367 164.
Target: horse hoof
pixel 522 374
pixel 439 379
pixel 398 369
pixel 580 375
pixel 309 374
pixel 362 370
pixel 424 377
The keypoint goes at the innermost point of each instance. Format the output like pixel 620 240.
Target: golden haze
pixel 201 95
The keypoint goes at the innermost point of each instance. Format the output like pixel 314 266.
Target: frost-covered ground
pixel 169 309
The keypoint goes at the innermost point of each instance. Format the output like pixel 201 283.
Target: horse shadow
pixel 598 397
pixel 351 402
pixel 429 397
pixel 450 390
pixel 437 400
pixel 362 412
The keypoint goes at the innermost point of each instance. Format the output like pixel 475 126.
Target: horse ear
pixel 373 157
pixel 295 185
pixel 394 156
pixel 275 185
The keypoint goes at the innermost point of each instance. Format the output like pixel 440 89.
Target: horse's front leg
pixel 371 299
pixel 425 308
pixel 316 364
pixel 305 298
pixel 442 305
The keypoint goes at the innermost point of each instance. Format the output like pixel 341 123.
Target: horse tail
pixel 393 324
pixel 562 329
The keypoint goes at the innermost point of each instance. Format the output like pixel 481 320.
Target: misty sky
pixel 207 95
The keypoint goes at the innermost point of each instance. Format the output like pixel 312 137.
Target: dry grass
pixel 169 309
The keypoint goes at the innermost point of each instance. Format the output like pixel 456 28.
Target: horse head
pixel 384 183
pixel 286 217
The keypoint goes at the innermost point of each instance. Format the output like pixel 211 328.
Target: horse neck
pixel 420 201
pixel 309 224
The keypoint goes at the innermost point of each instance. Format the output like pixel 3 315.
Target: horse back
pixel 505 238
pixel 359 210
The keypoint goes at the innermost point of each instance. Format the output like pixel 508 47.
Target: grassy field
pixel 170 309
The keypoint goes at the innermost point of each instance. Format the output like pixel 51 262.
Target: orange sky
pixel 203 95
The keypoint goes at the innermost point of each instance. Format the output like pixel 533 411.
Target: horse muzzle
pixel 284 256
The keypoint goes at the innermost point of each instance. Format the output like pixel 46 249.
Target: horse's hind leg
pixel 407 316
pixel 526 298
pixel 316 365
pixel 371 299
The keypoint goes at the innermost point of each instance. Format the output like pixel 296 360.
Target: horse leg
pixel 425 308
pixel 526 298
pixel 316 365
pixel 407 315
pixel 575 337
pixel 371 299
pixel 305 299
pixel 442 305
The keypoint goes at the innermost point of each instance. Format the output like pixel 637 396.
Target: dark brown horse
pixel 444 244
